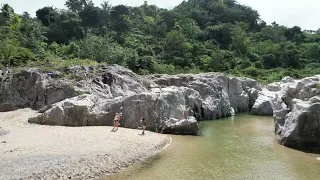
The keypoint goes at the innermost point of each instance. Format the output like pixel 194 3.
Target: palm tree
pixel 106 6
pixel 7 11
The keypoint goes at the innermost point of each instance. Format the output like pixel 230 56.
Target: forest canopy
pixel 195 36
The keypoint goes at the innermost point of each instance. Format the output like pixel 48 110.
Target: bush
pixel 245 63
pixel 253 57
pixel 291 72
pixel 251 71
pixel 235 72
pixel 143 72
pixel 164 68
pixel 257 64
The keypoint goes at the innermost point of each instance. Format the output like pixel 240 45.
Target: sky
pixel 304 13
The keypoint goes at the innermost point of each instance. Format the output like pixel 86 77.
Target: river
pixel 241 147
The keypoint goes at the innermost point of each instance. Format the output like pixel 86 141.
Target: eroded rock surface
pixel 90 96
pixel 301 128
pixel 295 105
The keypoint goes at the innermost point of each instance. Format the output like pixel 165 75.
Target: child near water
pixel 144 124
pixel 116 122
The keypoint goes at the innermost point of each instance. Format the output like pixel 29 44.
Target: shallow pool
pixel 241 147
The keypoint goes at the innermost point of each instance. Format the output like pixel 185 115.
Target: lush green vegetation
pixel 196 36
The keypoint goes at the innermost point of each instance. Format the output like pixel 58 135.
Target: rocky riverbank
pixel 90 96
pixel 31 151
pixel 295 105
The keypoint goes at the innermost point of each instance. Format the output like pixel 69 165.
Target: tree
pixel 66 27
pixel 46 15
pixel 178 48
pixel 290 56
pixel 8 50
pixel 120 19
pixel 312 52
pixel 78 5
pixel 190 28
pixel 222 60
pixel 294 34
pixel 90 16
pixel 270 61
pixel 221 33
pixel 240 41
pixel 12 54
pixel 104 49
pixel 32 34
pixel 275 34
pixel 7 12
pixel 168 18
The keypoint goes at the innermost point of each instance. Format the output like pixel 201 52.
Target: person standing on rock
pixel 186 113
pixel 116 122
pixel 144 124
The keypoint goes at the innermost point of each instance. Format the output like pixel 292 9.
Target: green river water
pixel 241 147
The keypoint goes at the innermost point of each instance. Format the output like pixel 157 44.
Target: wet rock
pixel 183 126
pixel 263 105
pixel 301 128
pixel 297 115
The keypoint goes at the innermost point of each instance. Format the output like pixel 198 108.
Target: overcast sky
pixel 304 13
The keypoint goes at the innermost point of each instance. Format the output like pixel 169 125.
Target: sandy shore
pixel 30 151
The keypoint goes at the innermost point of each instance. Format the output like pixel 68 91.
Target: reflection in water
pixel 241 147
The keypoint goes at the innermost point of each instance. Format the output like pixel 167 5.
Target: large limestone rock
pixel 160 108
pixel 186 126
pixel 251 87
pixel 90 96
pixel 302 126
pixel 269 99
pixel 264 104
pixel 294 105
pixel 279 115
pixel 238 93
pixel 298 121
pixel 32 88
pixel 70 112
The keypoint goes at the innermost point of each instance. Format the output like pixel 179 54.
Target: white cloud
pixel 304 13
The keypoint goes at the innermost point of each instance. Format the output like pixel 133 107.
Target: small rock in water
pixel 318 158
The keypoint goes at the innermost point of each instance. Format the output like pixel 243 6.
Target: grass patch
pixel 78 93
pixel 60 64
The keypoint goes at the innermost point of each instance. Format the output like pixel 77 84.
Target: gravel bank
pixel 32 151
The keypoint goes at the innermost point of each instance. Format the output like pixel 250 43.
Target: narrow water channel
pixel 241 147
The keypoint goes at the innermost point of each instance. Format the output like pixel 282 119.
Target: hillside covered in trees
pixel 195 36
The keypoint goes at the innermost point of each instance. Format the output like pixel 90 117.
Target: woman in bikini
pixel 116 122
